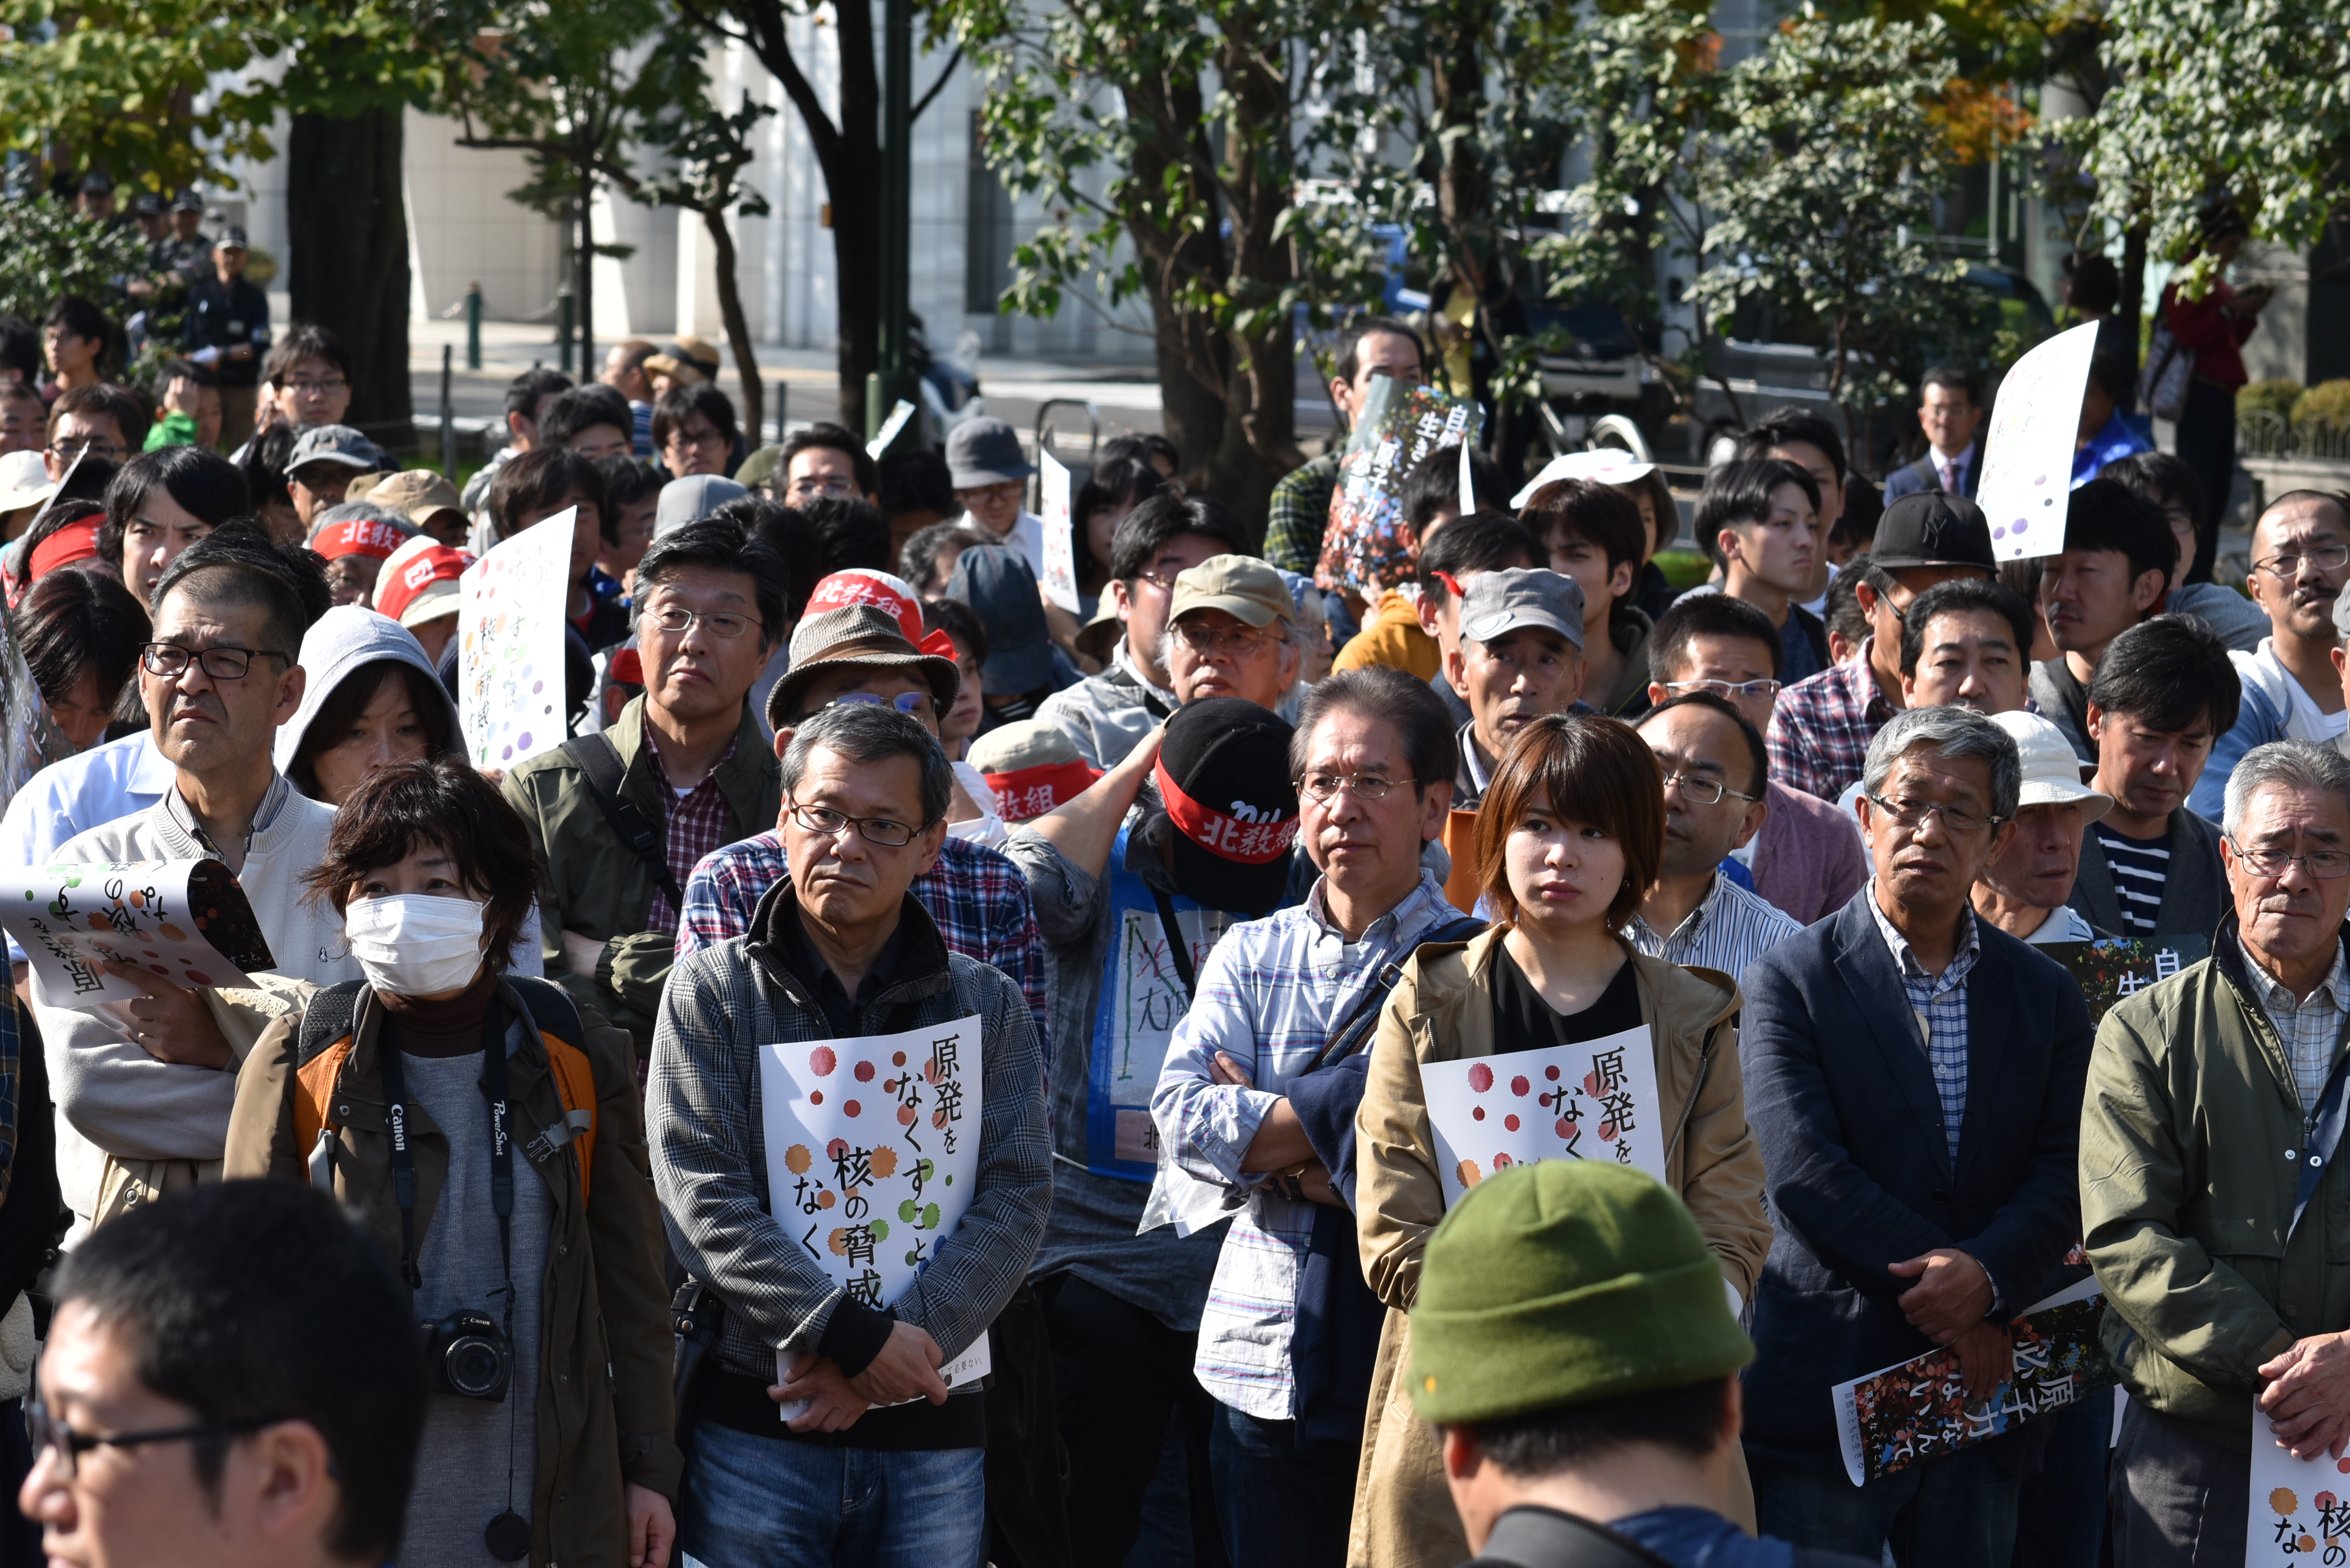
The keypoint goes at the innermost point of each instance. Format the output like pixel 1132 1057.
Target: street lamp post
pixel 895 380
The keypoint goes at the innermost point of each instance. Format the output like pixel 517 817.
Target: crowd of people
pixel 1226 868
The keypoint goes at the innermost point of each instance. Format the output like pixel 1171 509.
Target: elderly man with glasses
pixel 2208 1143
pixel 2293 689
pixel 620 818
pixel 1913 1076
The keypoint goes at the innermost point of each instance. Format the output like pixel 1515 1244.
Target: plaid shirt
pixel 2311 1030
pixel 1298 513
pixel 978 897
pixel 697 824
pixel 1269 994
pixel 1822 726
pixel 1938 1002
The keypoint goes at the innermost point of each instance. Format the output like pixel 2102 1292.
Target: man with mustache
pixel 144 1107
pixel 2300 558
pixel 2151 867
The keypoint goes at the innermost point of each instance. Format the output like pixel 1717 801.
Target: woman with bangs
pixel 1569 839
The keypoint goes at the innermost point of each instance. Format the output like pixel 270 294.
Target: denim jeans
pixel 1281 1505
pixel 771 1503
pixel 1958 1510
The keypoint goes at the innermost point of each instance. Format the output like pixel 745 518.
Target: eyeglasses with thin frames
pixel 1727 690
pixel 887 832
pixel 2285 565
pixel 1207 641
pixel 1321 788
pixel 1705 790
pixel 675 619
pixel 2325 865
pixel 1912 815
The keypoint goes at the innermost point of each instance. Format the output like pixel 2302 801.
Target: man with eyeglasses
pixel 1821 728
pixel 619 817
pixel 2151 866
pixel 310 376
pixel 144 1100
pixel 1805 861
pixel 1716 769
pixel 230 1381
pixel 990 475
pixel 887 1464
pixel 826 460
pixel 2210 1181
pixel 97 424
pixel 1913 1076
pixel 1247 1115
pixel 2293 680
pixel 694 429
pixel 1231 632
pixel 1106 716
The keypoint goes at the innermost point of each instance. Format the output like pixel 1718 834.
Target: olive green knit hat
pixel 1561 1283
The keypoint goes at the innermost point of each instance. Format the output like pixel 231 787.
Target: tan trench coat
pixel 1442 1010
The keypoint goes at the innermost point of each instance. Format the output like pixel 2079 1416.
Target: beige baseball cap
pixel 417 495
pixel 1243 586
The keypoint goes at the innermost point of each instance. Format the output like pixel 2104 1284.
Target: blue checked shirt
pixel 978 897
pixel 1268 996
pixel 1729 930
pixel 1940 1005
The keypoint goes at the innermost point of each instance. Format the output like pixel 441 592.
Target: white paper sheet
pixel 872 1154
pixel 2299 1510
pixel 1060 539
pixel 1596 1100
pixel 510 610
pixel 2027 466
pixel 186 921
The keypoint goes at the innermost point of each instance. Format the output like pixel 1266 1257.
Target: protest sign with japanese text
pixel 1918 1410
pixel 872 1154
pixel 2299 1509
pixel 2118 967
pixel 1060 582
pixel 185 920
pixel 2027 463
pixel 1398 424
pixel 510 612
pixel 1592 1100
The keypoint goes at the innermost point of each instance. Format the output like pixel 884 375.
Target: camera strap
pixel 404 1158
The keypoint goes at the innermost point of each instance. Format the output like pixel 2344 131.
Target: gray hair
pixel 1954 732
pixel 868 732
pixel 2285 764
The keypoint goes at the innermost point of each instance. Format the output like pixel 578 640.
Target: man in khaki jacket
pixel 2214 1217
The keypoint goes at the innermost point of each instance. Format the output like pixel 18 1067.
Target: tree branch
pixel 924 102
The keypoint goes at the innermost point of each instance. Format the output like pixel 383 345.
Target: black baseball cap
pixel 1933 528
pixel 1223 775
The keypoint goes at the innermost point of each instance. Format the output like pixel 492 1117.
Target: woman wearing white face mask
pixel 517 1203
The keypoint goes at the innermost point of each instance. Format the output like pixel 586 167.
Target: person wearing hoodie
pixel 565 1450
pixel 143 1103
pixel 371 698
pixel 1569 838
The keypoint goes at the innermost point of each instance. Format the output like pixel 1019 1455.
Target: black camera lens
pixel 476 1368
pixel 469 1355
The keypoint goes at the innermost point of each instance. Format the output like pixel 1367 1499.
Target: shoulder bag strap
pixel 1350 1036
pixel 1547 1538
pixel 599 762
pixel 1179 947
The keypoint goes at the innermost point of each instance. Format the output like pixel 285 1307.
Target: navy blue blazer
pixel 1913 477
pixel 1858 1173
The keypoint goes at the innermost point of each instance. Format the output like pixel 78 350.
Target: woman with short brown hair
pixel 1569 838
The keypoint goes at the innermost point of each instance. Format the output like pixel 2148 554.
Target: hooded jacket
pixel 1442 1010
pixel 336 645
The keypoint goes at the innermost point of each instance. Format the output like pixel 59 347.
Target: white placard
pixel 872 1154
pixel 1060 538
pixel 2027 464
pixel 900 413
pixel 510 610
pixel 1595 1100
pixel 2299 1510
pixel 186 921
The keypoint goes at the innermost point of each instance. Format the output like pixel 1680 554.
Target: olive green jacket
pixel 598 887
pixel 2191 1152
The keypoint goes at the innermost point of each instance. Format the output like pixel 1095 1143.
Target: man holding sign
pixel 840 951
pixel 1913 1076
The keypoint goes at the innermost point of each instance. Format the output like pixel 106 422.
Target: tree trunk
pixel 857 210
pixel 2130 307
pixel 1259 442
pixel 1194 362
pixel 347 230
pixel 738 328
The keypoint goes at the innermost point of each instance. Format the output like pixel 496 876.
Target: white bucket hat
pixel 23 481
pixel 2051 773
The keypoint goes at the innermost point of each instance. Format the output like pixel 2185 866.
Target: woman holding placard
pixel 1546 1037
pixel 538 1279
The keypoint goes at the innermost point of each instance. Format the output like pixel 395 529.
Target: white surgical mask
pixel 415 944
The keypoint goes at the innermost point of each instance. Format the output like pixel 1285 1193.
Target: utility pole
pixel 895 380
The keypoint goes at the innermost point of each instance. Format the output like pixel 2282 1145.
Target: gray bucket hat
pixel 980 452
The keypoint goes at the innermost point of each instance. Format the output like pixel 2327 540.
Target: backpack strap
pixel 560 1030
pixel 322 1044
pixel 599 763
pixel 1540 1537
